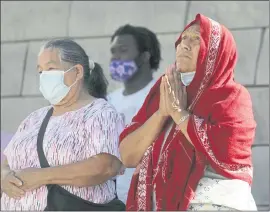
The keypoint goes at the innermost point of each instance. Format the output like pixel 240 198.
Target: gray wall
pixel 24 25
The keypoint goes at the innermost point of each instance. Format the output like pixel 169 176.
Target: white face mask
pixel 186 78
pixel 52 85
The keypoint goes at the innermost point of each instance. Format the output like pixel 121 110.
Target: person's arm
pixel 10 184
pixel 5 169
pixel 93 171
pixel 182 125
pixel 102 153
pixel 104 133
pixel 145 127
pixel 134 145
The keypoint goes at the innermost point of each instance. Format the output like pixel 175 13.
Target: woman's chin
pixel 182 70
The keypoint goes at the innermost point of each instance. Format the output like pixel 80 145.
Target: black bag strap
pixel 41 156
pixel 115 192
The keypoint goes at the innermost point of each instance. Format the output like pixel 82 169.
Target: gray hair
pixel 72 53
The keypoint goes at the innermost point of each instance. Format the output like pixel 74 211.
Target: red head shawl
pixel 221 128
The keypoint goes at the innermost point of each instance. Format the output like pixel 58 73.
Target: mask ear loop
pixel 91 67
pixel 75 80
pixel 69 69
pixel 74 83
pixel 67 72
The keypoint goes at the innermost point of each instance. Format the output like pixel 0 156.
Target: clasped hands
pixel 16 183
pixel 173 96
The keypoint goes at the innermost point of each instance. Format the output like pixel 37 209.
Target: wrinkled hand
pixel 31 178
pixel 175 93
pixel 11 185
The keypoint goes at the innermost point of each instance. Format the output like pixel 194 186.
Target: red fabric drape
pixel 221 127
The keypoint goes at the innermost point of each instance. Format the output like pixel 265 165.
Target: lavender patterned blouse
pixel 71 137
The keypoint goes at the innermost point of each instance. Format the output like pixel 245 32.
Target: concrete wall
pixel 24 25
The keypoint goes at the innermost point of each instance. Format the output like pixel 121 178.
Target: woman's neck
pixel 75 102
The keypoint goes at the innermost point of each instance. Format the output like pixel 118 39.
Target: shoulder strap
pixel 41 156
pixel 115 193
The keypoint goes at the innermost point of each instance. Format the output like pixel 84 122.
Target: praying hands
pixel 173 96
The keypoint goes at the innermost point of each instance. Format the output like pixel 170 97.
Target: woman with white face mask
pixel 77 137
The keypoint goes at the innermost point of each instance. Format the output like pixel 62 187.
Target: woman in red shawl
pixel 191 140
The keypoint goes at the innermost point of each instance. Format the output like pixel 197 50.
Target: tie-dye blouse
pixel 71 137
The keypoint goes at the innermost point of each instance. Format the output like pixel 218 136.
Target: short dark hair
pixel 146 41
pixel 71 52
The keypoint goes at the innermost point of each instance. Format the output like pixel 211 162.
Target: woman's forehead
pixel 194 29
pixel 49 54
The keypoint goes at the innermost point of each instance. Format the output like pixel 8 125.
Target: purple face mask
pixel 122 70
